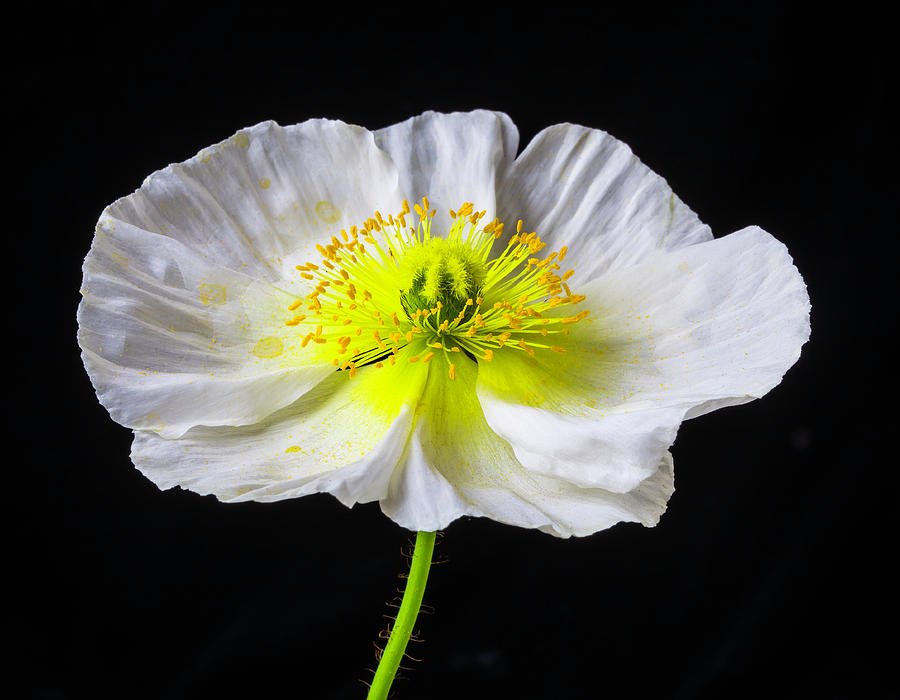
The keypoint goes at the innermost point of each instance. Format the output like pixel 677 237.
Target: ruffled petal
pixel 456 465
pixel 582 188
pixel 188 280
pixel 171 341
pixel 711 325
pixel 343 437
pixel 680 334
pixel 259 201
pixel 548 414
pixel 452 158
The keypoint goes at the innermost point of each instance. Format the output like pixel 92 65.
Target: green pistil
pixel 442 271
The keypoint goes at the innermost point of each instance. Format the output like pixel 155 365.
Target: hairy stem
pixel 406 617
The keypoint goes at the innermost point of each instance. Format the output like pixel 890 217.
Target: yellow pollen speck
pixel 293 448
pixel 327 212
pixel 268 347
pixel 264 182
pixel 452 371
pixel 241 140
pixel 427 358
pixel 212 294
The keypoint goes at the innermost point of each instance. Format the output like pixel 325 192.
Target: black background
pixel 771 573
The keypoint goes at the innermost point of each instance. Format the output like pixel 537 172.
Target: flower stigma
pixel 390 290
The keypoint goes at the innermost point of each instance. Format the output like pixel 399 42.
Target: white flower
pixel 540 397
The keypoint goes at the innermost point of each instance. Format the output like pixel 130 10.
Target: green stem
pixel 406 617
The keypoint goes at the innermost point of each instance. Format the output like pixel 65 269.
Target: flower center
pixel 388 290
pixel 441 270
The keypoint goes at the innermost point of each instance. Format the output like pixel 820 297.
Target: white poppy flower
pixel 267 334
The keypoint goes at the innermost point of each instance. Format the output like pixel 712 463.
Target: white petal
pixel 343 437
pixel 261 200
pixel 456 465
pixel 684 332
pixel 174 333
pixel 451 158
pixel 711 325
pixel 555 411
pixel 582 188
pixel 612 450
pixel 171 341
pixel 420 498
pixel 577 511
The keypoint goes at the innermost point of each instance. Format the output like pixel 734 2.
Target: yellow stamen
pixel 515 285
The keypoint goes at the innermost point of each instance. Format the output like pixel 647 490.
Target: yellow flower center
pixel 387 288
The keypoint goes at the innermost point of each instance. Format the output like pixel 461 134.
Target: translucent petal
pixel 188 280
pixel 259 201
pixel 582 188
pixel 456 465
pixel 451 158
pixel 171 341
pixel 343 437
pixel 684 332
